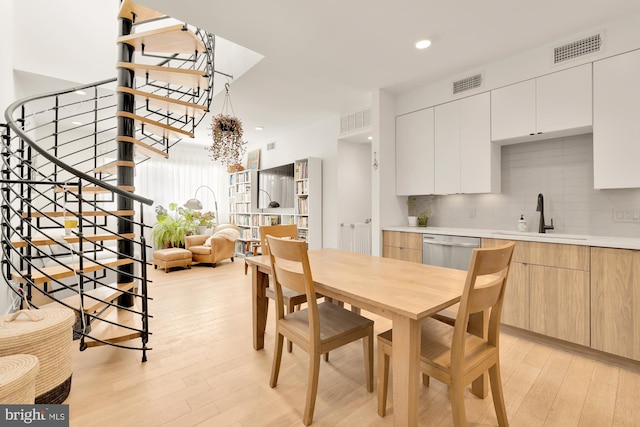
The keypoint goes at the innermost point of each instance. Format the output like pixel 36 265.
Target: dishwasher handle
pixel 458 245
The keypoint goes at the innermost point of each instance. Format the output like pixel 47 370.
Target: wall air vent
pixel 468 83
pixel 356 121
pixel 575 49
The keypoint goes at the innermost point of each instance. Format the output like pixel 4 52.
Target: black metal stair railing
pixel 59 213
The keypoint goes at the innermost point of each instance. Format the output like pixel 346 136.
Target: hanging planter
pixel 228 146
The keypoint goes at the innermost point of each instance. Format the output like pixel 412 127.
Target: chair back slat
pixel 286 230
pixel 290 268
pixel 483 290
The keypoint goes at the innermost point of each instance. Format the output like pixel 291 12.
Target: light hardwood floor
pixel 203 371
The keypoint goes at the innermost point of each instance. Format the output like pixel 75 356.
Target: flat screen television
pixel 276 187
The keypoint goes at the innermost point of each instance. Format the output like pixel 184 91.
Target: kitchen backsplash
pixel 562 170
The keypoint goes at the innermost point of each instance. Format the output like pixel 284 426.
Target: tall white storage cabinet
pixel 414 153
pixel 616 140
pixel 308 205
pixel 465 159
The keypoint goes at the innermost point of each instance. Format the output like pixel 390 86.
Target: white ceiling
pixel 325 57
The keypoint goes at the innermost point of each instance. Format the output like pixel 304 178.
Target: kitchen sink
pixel 541 235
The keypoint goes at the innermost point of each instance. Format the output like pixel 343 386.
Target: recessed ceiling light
pixel 76 123
pixel 80 92
pixel 423 44
pixel 370 138
pixel 259 128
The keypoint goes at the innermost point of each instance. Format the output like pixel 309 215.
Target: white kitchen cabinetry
pixel 465 159
pixel 550 106
pixel 414 153
pixel 616 97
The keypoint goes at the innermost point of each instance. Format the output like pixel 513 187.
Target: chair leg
pixel 456 396
pixel 367 347
pixel 277 357
pixel 498 396
pixel 290 308
pixel 312 388
pixel 425 380
pixel 246 267
pixel 383 379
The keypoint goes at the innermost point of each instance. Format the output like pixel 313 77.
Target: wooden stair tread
pixel 170 39
pixel 114 334
pixel 157 128
pixel 91 305
pixel 143 148
pixel 92 189
pixel 128 9
pixel 58 214
pixel 112 167
pixel 177 76
pixel 60 272
pixel 175 106
pixel 42 241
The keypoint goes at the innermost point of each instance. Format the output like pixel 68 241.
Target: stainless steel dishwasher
pixel 448 251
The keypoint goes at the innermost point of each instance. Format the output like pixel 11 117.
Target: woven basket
pixel 18 379
pixel 46 334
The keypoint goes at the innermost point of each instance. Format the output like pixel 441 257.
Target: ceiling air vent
pixel 468 83
pixel 577 48
pixel 356 121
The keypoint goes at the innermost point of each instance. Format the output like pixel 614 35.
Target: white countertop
pixel 567 239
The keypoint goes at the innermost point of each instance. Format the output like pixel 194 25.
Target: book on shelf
pixel 301 170
pixel 303 222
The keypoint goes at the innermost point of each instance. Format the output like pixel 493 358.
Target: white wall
pixel 388 209
pixel 7 95
pixel 45 26
pixel 317 140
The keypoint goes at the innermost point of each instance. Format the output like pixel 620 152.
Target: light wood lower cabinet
pixel 515 308
pixel 548 290
pixel 403 246
pixel 559 303
pixel 615 301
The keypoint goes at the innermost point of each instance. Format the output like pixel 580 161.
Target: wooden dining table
pixel 402 291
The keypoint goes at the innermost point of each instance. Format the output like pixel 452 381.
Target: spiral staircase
pixel 72 224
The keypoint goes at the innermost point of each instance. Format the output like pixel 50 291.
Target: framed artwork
pixel 253 159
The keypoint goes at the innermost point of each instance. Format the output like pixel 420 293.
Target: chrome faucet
pixel 542 228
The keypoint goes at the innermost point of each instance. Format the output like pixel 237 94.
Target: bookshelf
pixel 307 212
pixel 308 200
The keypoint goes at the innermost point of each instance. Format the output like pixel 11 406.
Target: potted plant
pixel 172 226
pixel 228 146
pixel 423 218
pixel 411 206
pixel 203 221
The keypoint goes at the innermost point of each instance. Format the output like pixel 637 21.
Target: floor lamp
pixel 196 204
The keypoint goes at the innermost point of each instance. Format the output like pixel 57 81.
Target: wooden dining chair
pixel 292 299
pixel 318 328
pixel 451 354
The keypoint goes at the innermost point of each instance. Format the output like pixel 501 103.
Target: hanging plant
pixel 228 146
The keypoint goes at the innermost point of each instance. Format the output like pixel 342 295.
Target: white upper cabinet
pixel 551 106
pixel 447 180
pixel 616 145
pixel 466 160
pixel 513 111
pixel 479 157
pixel 414 153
